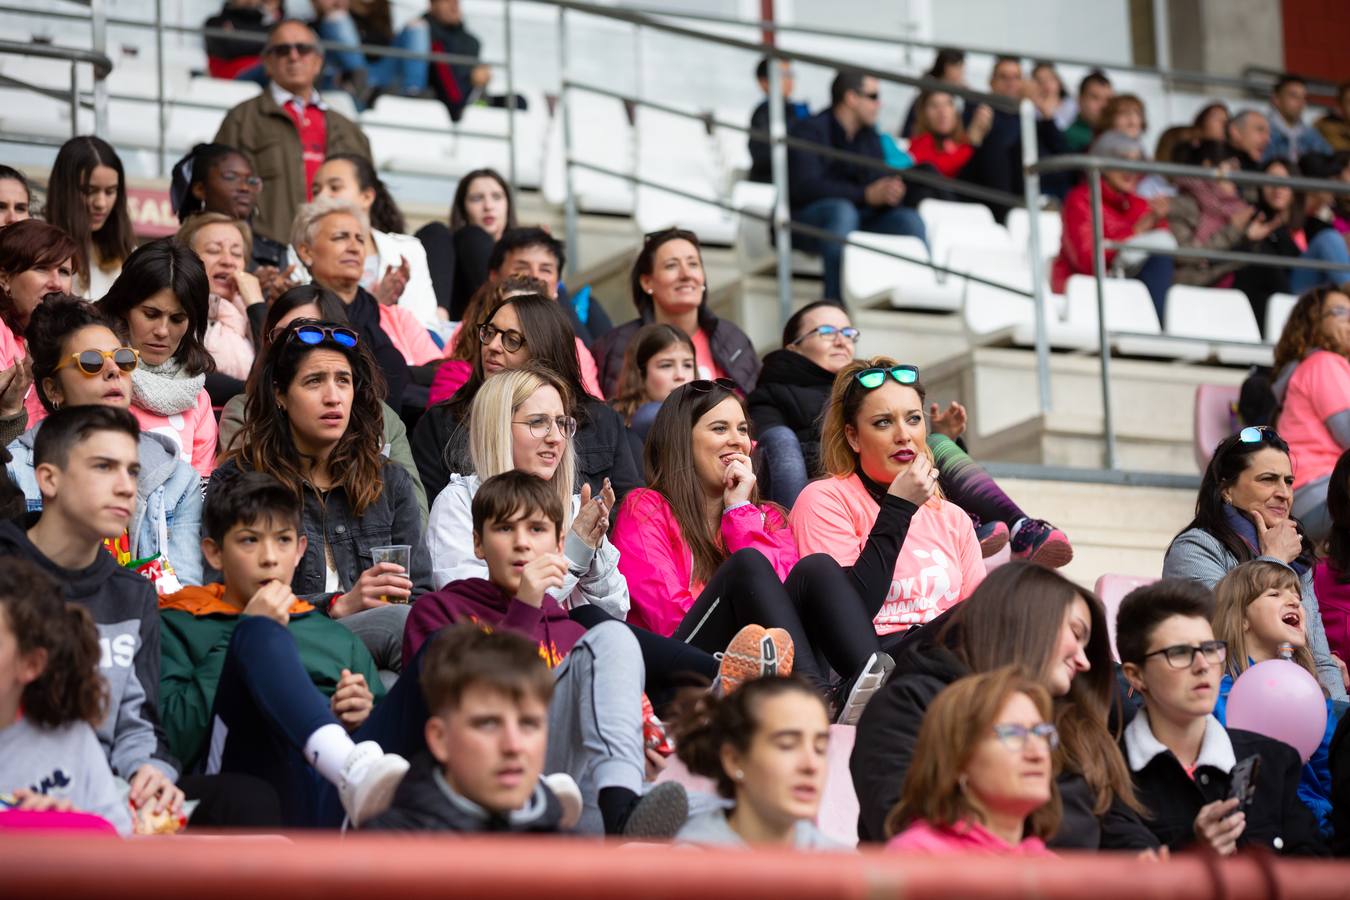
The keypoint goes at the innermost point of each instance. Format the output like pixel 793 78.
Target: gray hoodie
pixel 65 762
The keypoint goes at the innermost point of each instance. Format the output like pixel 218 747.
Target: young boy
pixel 488 694
pixel 1181 759
pixel 595 715
pixel 258 682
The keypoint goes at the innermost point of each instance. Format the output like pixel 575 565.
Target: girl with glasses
pixel 1181 758
pixel 983 774
pixel 1242 513
pixel 218 178
pixel 78 361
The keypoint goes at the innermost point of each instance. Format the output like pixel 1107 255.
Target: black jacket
pixel 451 81
pixel 1276 820
pixel 761 156
pixel 792 391
pixel 425 802
pixel 997 162
pixel 243 20
pixel 731 350
pixel 363 314
pixel 440 447
pixel 813 177
pixel 394 518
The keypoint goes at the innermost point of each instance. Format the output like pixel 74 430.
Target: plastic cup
pixel 398 554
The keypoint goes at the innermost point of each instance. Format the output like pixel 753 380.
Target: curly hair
pixel 1303 331
pixel 266 443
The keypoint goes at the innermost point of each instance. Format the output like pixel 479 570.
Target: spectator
pixel 982 780
pixel 370 23
pixel 87 199
pixel 1211 123
pixel 216 178
pixel 313 422
pixel 329 237
pixel 1210 214
pixel 1094 93
pixel 440 441
pixel 1259 616
pixel 668 284
pixel 51 700
pixel 764 746
pixel 79 361
pixel 1026 616
pixel 312 302
pixel 660 358
pixel 1125 113
pixel 1333 571
pixel 161 305
pixel 940 140
pixel 949 65
pixel 16 199
pixel 1180 757
pixel 1249 133
pixel 289 126
pixel 396 271
pixel 237 307
pixel 1047 89
pixel 235 58
pixel 1126 217
pixel 841 196
pixel 1241 513
pixel 761 164
pixel 36 259
pixel 1335 125
pixel 1290 136
pixel 1321 214
pixel 689 543
pixel 480 213
pixel 456 84
pixel 1312 386
pixel 457 369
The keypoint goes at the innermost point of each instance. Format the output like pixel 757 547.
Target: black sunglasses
pixel 284 50
pixel 705 386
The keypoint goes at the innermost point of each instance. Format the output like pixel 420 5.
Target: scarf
pixel 1246 529
pixel 164 389
pixel 1216 207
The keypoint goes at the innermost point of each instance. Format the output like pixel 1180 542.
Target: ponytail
pixel 384 212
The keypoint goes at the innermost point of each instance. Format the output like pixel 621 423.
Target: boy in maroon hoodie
pixel 595 715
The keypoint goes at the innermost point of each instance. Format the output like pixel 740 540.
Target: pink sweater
pixel 194 431
pixel 408 335
pixel 659 566
pixel 1318 390
pixel 229 337
pixel 13 349
pixel 939 565
pixel 963 837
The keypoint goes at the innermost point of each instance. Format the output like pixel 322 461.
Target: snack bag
pixel 654 735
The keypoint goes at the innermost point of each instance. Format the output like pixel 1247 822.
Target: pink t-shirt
pixel 940 563
pixel 1318 390
pixel 13 349
pixel 703 357
pixel 193 431
pixel 963 837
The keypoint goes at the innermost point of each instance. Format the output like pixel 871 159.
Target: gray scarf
pixel 165 389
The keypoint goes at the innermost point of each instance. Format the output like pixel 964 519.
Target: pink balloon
pixel 1279 699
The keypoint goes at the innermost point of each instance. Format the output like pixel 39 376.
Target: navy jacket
pixel 813 177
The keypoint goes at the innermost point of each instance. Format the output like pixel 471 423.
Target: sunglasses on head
pixel 90 362
pixel 706 386
pixel 875 377
pixel 313 335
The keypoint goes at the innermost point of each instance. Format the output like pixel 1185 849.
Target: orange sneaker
pixel 755 652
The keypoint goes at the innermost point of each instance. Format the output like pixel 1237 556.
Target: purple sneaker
pixel 993 537
pixel 1042 543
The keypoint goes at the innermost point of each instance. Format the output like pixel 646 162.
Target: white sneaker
pixel 868 682
pixel 369 778
pixel 569 797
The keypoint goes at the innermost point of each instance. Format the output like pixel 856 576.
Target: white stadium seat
pixel 1217 315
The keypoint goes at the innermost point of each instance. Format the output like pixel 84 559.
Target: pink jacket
pixel 659 566
pixel 229 337
pixel 940 563
pixel 963 837
pixel 408 335
pixel 590 375
pixel 14 349
pixel 194 431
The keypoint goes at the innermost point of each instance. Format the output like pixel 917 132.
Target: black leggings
pixel 817 606
pixel 669 664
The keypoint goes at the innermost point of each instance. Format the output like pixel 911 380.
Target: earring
pixel 739 775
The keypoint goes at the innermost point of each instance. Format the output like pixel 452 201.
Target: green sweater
pixel 195 631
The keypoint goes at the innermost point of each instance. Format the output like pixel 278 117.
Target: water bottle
pixel 1286 651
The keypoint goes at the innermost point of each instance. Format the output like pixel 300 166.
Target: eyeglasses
pixel 512 340
pixel 828 331
pixel 541 426
pixel 90 362
pixel 313 335
pixel 1014 737
pixel 705 386
pixel 875 377
pixel 252 181
pixel 1182 656
pixel 284 50
pixel 1338 312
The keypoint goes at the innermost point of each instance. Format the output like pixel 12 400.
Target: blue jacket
pixel 1292 142
pixel 168 514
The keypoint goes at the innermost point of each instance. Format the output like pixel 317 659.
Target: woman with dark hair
pixel 480 214
pixel 218 178
pixel 87 199
pixel 313 422
pixel 940 140
pixel 668 286
pixel 1055 632
pixel 396 270
pixel 949 65
pixel 36 259
pixel 309 301
pixel 462 346
pixel 1211 123
pixel 16 199
pixel 161 304
pixel 521 328
pixel 1210 214
pixel 1331 578
pixel 1242 512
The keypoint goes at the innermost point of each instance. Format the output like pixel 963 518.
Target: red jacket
pixel 948 159
pixel 1120 213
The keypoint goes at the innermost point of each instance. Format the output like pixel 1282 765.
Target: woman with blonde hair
pixel 983 776
pixel 237 307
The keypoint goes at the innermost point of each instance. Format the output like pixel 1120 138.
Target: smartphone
pixel 1244 781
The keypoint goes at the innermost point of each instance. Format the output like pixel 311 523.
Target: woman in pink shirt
pixel 704 558
pixel 875 431
pixel 161 302
pixel 1313 389
pixel 982 780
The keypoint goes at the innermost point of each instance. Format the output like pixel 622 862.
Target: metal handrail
pixel 96 60
pixel 1077 162
pixel 100 61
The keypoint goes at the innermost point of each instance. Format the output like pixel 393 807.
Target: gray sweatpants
pixel 595 718
pixel 381 630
